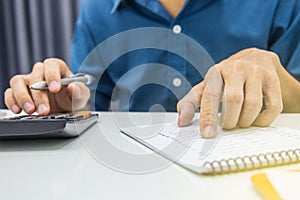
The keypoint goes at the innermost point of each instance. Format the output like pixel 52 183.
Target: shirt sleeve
pixel 82 45
pixel 285 35
pixel 83 42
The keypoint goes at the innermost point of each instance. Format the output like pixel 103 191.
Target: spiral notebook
pixel 231 151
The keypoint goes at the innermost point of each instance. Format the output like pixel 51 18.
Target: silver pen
pixel 80 77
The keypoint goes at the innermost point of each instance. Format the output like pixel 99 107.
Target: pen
pixel 80 77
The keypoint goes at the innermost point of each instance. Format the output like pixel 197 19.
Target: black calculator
pixel 62 125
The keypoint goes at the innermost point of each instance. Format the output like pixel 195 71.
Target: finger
pixel 54 70
pixel 19 86
pixel 11 102
pixel 232 102
pixel 39 97
pixel 273 102
pixel 253 101
pixel 210 103
pixel 187 106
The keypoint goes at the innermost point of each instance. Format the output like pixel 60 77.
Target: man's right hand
pixel 57 99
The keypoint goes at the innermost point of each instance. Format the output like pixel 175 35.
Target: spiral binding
pixel 246 163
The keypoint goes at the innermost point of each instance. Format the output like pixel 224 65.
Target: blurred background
pixel 31 31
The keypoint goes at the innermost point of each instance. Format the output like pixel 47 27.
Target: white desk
pixel 64 169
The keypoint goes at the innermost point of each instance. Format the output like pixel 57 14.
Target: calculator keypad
pixel 55 125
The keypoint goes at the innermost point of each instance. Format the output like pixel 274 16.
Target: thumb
pixel 79 95
pixel 187 106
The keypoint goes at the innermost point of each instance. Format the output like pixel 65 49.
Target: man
pixel 255 43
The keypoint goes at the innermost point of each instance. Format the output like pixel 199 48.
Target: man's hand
pixel 244 82
pixel 58 99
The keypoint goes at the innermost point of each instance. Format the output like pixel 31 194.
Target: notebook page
pixel 188 148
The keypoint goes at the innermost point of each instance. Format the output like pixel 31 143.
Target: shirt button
pixel 177 29
pixel 177 82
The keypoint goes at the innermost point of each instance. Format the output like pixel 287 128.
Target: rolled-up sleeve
pixel 285 36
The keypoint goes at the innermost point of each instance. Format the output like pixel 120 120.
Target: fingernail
pixel 42 108
pixel 53 85
pixel 28 107
pixel 209 132
pixel 15 108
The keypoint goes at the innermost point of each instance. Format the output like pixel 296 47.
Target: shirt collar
pixel 116 4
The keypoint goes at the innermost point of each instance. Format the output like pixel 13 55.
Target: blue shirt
pixel 221 27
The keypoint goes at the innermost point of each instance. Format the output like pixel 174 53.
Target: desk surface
pixel 66 169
